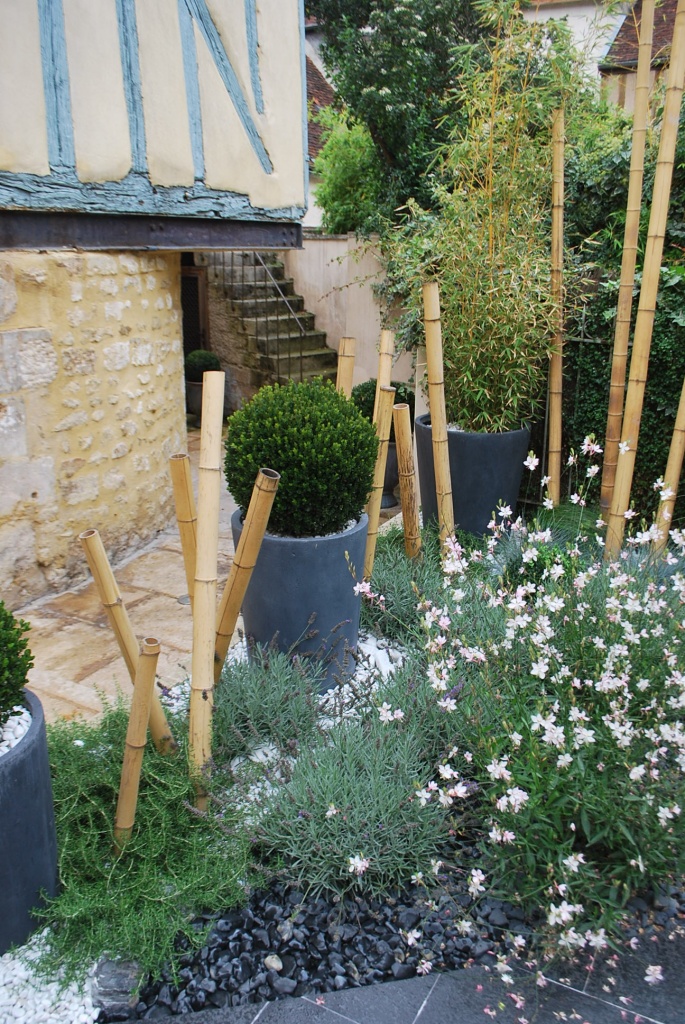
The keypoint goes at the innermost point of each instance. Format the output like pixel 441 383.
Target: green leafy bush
pixel 364 397
pixel 199 360
pixel 15 661
pixel 321 445
pixel 177 863
pixel 351 185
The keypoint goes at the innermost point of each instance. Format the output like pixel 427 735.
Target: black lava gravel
pixel 283 943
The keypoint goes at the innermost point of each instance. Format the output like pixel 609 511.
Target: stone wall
pixel 91 407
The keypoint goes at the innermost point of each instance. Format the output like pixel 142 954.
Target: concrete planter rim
pixel 239 516
pixel 33 705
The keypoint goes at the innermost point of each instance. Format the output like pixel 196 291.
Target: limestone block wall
pixel 91 407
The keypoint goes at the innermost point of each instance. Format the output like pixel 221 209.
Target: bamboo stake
pixel 629 258
pixel 556 361
pixel 436 404
pixel 373 507
pixel 186 516
pixel 345 374
pixel 405 468
pixel 244 561
pixel 386 352
pixel 136 734
pixel 648 292
pixel 204 609
pixel 123 631
pixel 671 478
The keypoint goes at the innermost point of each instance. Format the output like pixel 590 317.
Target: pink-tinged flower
pixel 320 1001
pixel 411 937
pixel 540 668
pixel 531 462
pixel 591 471
pixel 363 588
pixel 574 861
pixel 590 446
pixel 504 512
pixel 332 810
pixel 629 513
pixel 424 967
pixel 358 864
pixel 623 448
pixel 654 974
pixel 476 883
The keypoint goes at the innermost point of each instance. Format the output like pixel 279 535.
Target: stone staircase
pixel 283 334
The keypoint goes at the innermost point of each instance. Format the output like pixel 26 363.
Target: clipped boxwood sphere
pixel 364 397
pixel 15 661
pixel 199 360
pixel 321 445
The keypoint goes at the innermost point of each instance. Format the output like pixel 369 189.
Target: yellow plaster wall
pixel 91 407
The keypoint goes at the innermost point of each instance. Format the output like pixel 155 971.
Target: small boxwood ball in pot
pixel 319 442
pixel 15 661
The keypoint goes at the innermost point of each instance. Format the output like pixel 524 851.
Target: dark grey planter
pixel 296 578
pixel 486 470
pixel 391 478
pixel 28 844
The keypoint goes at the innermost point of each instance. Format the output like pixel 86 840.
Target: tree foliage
pixel 393 66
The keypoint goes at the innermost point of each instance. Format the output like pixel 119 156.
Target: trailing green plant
pixel 364 397
pixel 15 661
pixel 319 442
pixel 485 237
pixel 198 361
pixel 139 905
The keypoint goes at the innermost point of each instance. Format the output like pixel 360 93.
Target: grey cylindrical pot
pixel 296 578
pixel 486 470
pixel 28 844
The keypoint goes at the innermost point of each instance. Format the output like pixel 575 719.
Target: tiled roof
pixel 320 93
pixel 624 49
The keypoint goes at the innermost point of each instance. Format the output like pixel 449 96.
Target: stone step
pixel 293 342
pixel 238 262
pixel 268 306
pixel 330 373
pixel 245 290
pixel 291 364
pixel 279 326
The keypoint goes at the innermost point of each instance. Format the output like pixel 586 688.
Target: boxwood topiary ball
pixel 319 442
pixel 199 360
pixel 15 661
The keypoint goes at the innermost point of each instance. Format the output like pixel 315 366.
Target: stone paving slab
pixel 470 996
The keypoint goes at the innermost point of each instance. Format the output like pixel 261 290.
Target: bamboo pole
pixel 136 734
pixel 648 292
pixel 385 355
pixel 373 507
pixel 629 259
pixel 405 468
pixel 123 631
pixel 204 609
pixel 436 404
pixel 671 478
pixel 345 375
pixel 244 561
pixel 186 516
pixel 556 361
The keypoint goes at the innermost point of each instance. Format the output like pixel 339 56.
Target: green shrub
pixel 199 360
pixel 364 397
pixel 15 661
pixel 321 445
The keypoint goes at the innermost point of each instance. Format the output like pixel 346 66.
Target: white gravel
pixel 16 726
pixel 28 999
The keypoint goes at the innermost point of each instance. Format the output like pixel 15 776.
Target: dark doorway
pixel 194 305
